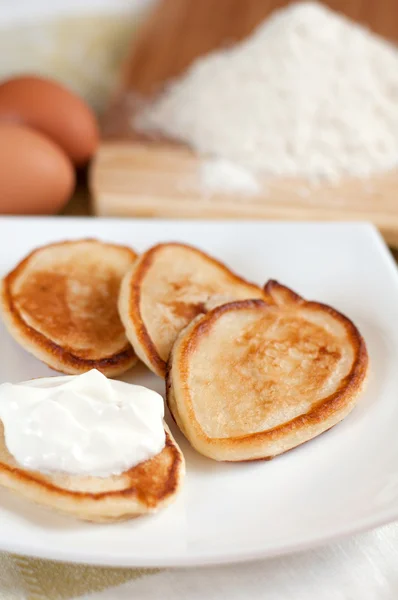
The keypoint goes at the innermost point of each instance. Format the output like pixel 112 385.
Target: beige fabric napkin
pixel 24 578
pixel 363 567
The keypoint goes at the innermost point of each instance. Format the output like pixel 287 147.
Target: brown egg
pixel 53 110
pixel 36 176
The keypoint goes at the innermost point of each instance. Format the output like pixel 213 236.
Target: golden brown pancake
pixel 60 304
pixel 167 287
pixel 250 380
pixel 143 489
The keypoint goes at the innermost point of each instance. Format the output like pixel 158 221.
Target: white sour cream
pixel 82 425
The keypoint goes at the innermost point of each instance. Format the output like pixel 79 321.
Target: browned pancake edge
pixel 54 355
pixel 136 278
pixel 329 408
pixel 149 486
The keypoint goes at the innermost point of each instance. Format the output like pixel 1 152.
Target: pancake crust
pixel 167 287
pixel 250 380
pixel 60 304
pixel 143 489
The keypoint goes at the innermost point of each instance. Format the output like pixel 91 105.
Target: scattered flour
pixel 222 176
pixel 310 94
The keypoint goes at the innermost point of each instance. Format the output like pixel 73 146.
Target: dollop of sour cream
pixel 81 425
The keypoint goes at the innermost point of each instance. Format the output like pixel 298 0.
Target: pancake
pixel 167 287
pixel 60 304
pixel 250 380
pixel 143 489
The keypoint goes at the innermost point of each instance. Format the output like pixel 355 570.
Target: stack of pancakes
pixel 250 372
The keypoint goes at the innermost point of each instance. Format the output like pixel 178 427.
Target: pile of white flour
pixel 310 94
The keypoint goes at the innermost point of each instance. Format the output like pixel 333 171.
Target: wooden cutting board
pixel 133 176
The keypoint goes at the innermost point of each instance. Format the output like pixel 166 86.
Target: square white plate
pixel 342 482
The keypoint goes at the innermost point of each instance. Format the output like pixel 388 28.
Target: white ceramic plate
pixel 340 483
